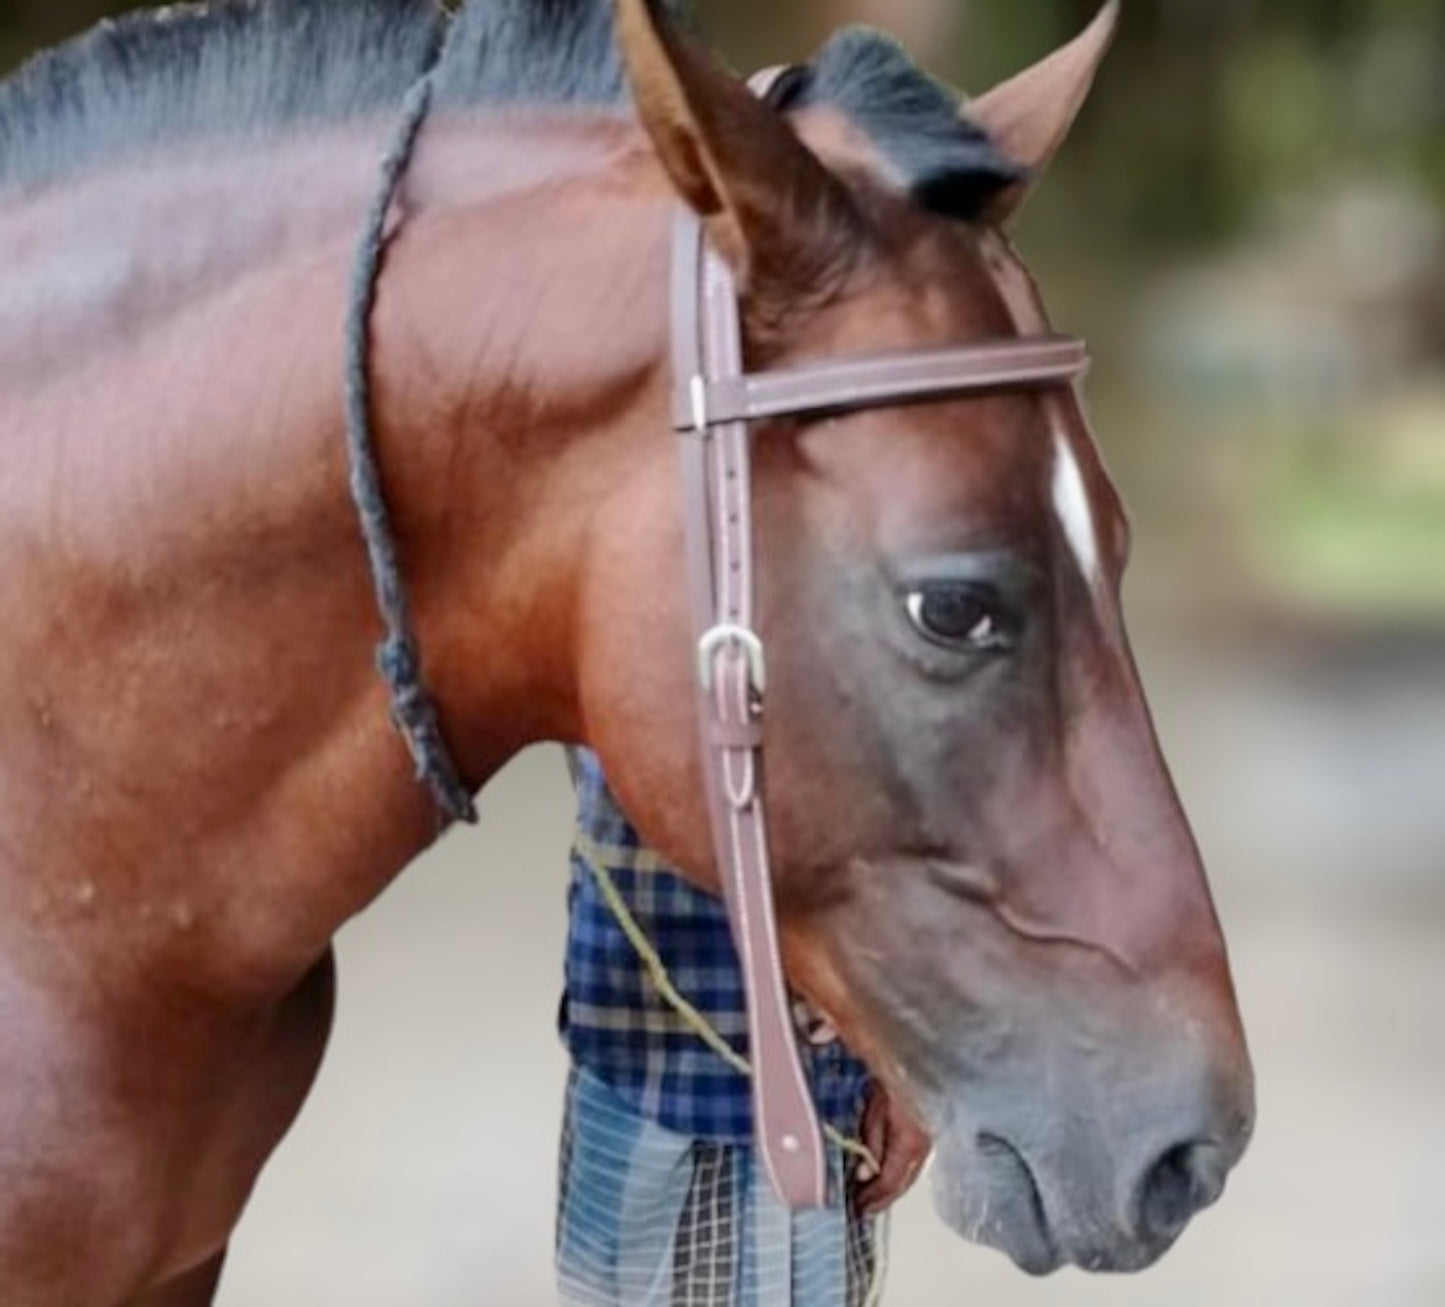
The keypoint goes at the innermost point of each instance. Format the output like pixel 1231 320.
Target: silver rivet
pixel 791 1143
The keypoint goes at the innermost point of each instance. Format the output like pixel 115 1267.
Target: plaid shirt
pixel 616 1025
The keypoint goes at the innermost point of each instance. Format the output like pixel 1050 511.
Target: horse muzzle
pixel 1106 1188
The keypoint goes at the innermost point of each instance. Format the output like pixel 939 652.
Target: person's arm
pixel 899 1144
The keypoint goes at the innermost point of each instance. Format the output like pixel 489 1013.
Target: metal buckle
pixel 697 393
pixel 747 640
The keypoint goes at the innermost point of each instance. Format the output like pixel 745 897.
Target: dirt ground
pixel 421 1173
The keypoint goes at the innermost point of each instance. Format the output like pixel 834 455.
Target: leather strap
pixel 873 381
pixel 732 682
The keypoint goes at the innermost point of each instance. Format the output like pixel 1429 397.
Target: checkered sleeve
pixel 614 1022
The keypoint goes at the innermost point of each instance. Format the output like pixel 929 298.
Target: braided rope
pixel 397 658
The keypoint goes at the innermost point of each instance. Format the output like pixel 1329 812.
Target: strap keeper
pixel 736 735
pixel 704 404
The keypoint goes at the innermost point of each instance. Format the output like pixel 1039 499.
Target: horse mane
pixel 250 69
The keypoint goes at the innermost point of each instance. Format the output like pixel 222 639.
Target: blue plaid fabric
pixel 649 1218
pixel 615 1024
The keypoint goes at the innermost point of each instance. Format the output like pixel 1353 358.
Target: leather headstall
pixel 716 403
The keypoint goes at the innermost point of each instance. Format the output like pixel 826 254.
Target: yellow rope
pixel 882 1231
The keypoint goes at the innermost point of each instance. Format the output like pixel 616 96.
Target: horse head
pixel 983 874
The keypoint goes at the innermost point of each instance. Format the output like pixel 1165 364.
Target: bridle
pixel 716 402
pixel 715 405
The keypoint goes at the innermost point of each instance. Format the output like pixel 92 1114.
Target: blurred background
pixel 1249 226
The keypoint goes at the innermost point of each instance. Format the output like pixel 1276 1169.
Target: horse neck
pixel 545 310
pixel 190 612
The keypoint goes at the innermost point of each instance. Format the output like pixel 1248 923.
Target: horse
pixel 983 876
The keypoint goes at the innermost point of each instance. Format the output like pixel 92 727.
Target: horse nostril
pixel 1184 1181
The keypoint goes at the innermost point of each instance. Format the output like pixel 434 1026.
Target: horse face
pixel 986 878
pixel 982 871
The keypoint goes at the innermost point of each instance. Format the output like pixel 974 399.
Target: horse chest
pixel 137 1136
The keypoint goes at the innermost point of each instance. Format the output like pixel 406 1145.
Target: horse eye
pixel 961 616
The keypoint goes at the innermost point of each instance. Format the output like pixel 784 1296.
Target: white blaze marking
pixel 1071 503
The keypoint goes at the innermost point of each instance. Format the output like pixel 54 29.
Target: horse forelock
pixel 919 126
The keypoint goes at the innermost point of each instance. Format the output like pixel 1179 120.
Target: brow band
pixel 875 381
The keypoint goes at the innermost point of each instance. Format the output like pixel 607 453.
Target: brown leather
pixel 876 380
pixel 731 685
pixel 716 401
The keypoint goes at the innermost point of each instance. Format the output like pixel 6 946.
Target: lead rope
pixel 412 708
pixel 701 1027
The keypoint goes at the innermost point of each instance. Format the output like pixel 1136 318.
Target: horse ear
pixel 1030 115
pixel 771 207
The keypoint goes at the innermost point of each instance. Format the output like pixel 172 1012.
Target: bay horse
pixel 983 875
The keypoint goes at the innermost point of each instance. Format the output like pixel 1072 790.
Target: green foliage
pixel 1348 540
